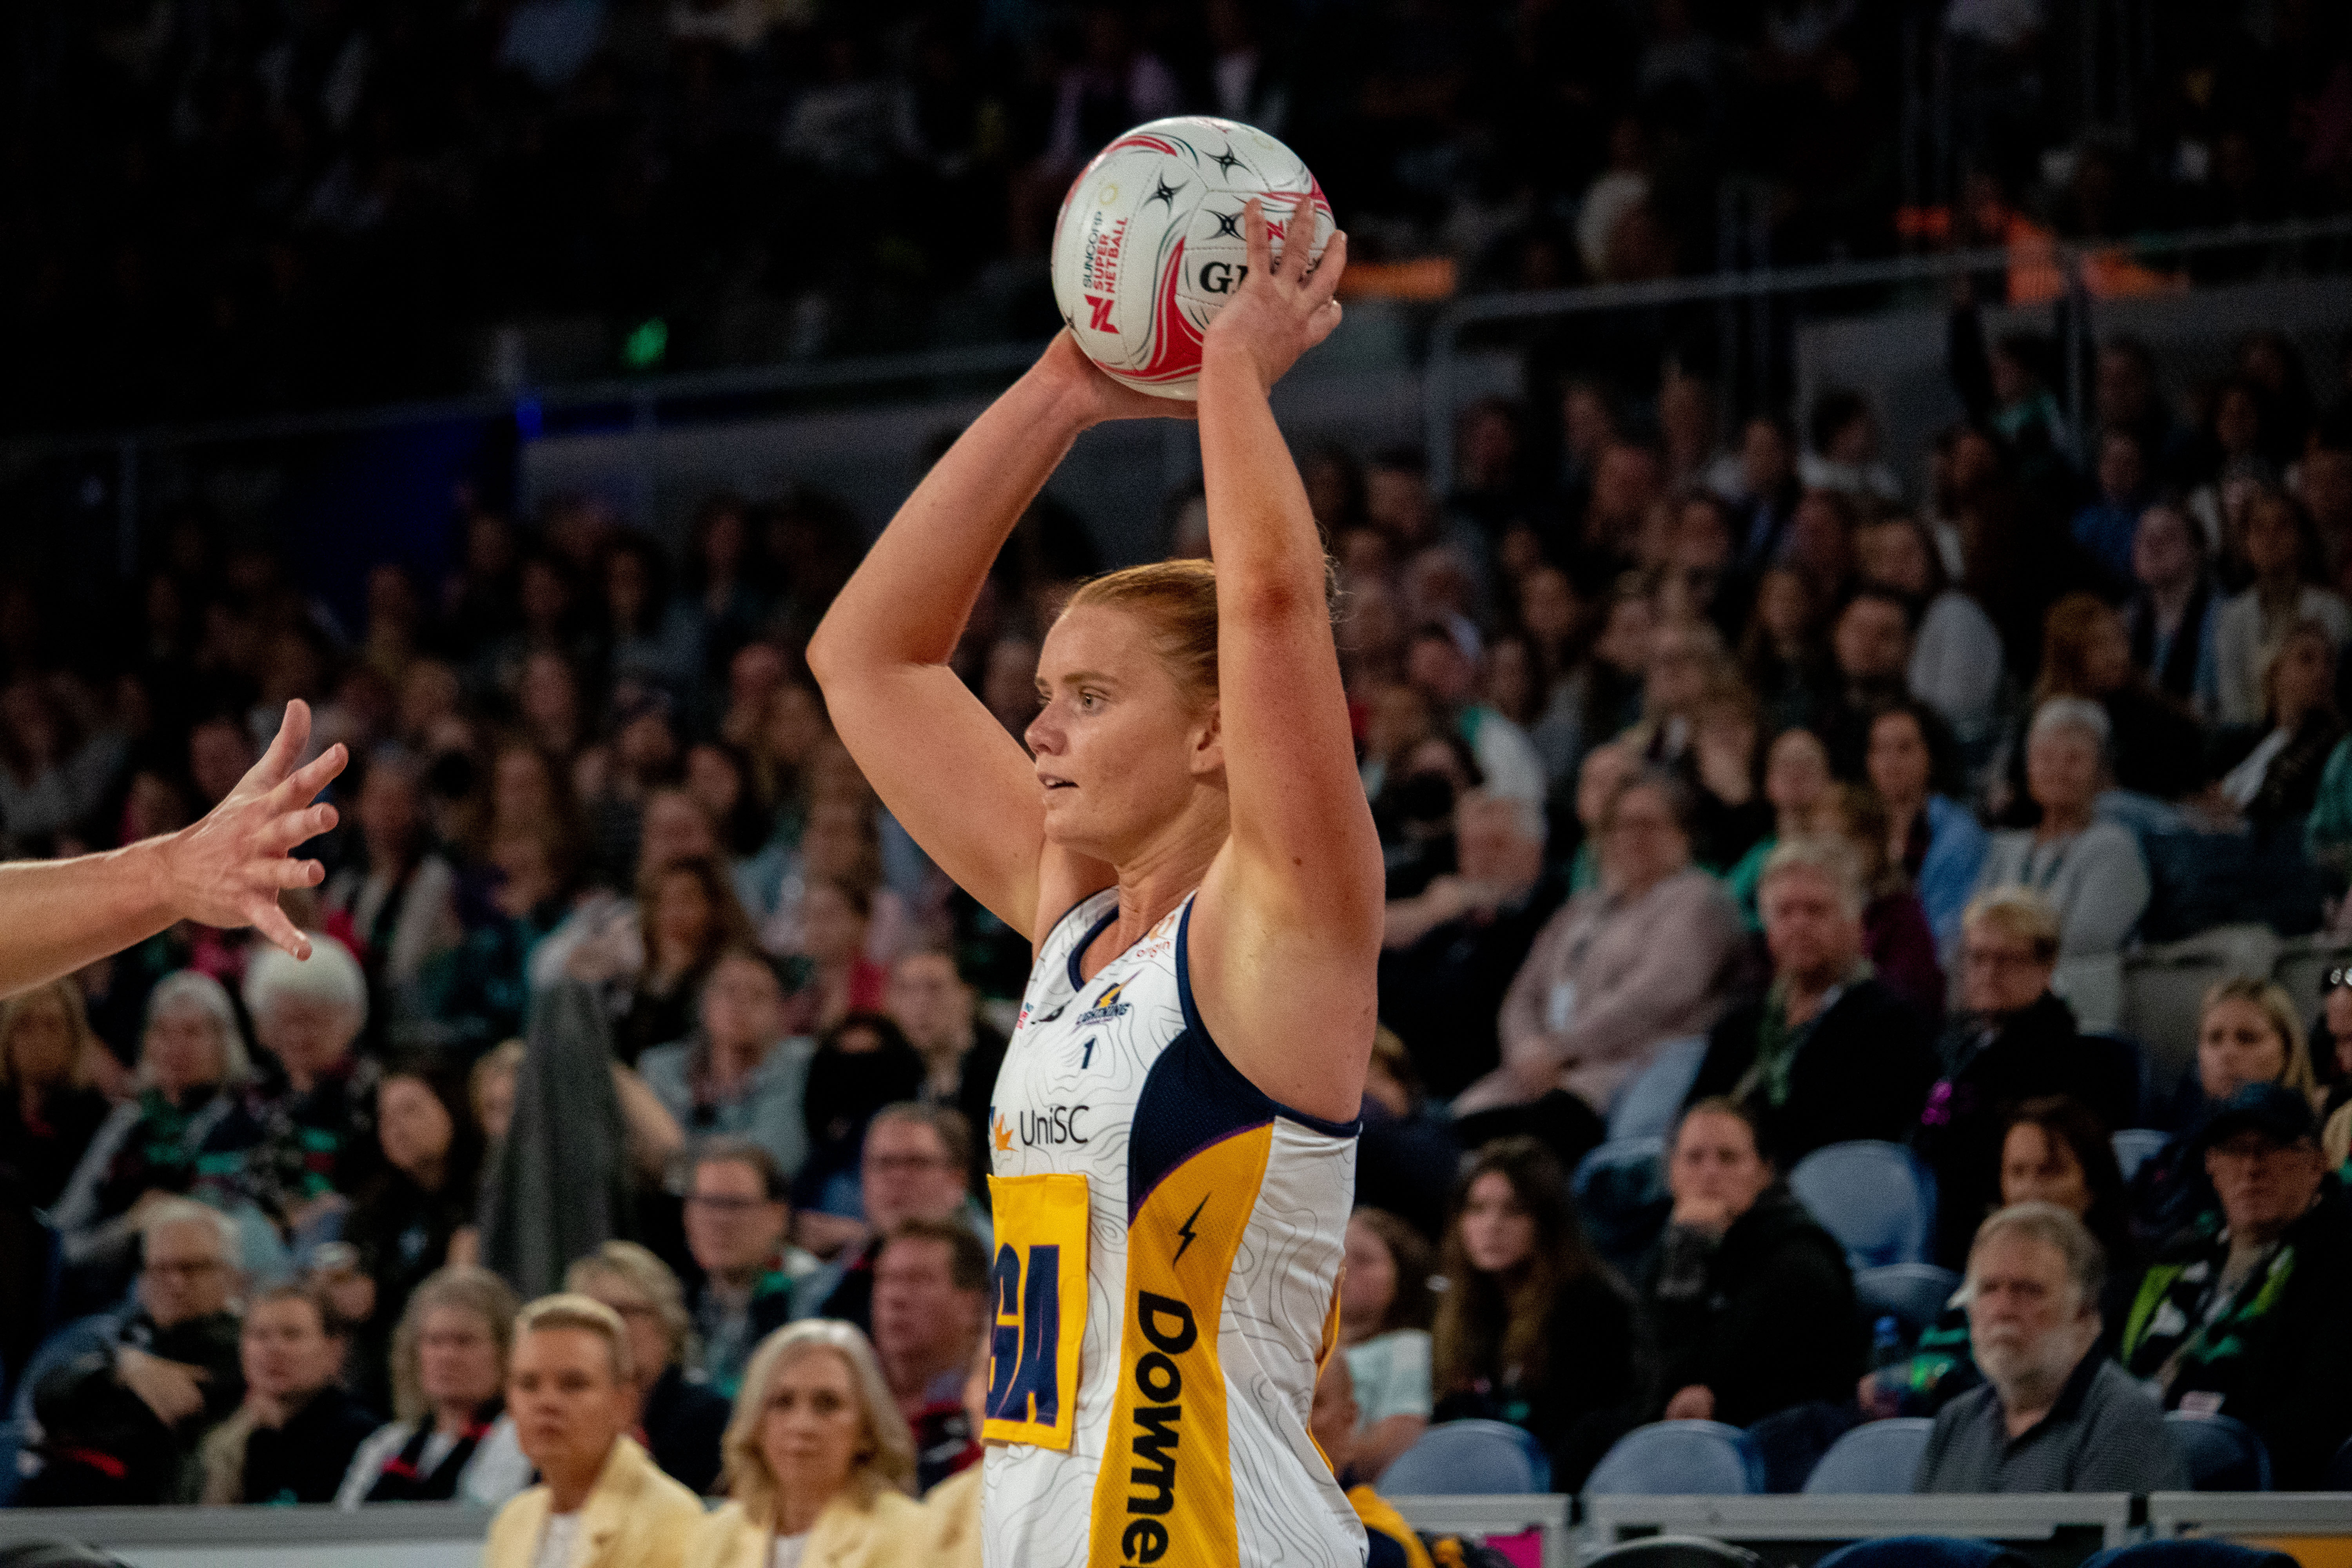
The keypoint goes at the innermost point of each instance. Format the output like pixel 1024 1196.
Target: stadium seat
pixel 1874 1197
pixel 1620 1187
pixel 2136 1146
pixel 1673 1551
pixel 1470 1458
pixel 1914 1294
pixel 2187 1555
pixel 1922 1552
pixel 2339 1476
pixel 2224 1455
pixel 2301 969
pixel 2164 988
pixel 1876 1458
pixel 1647 1106
pixel 1676 1458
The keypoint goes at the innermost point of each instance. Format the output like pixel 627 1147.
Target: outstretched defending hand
pixel 1283 309
pixel 227 870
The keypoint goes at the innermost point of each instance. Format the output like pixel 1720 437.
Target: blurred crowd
pixel 1786 791
pixel 270 204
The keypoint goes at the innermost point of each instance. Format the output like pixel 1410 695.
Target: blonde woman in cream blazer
pixel 818 1461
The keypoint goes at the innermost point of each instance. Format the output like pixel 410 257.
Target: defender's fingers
pixel 271 922
pixel 296 827
pixel 298 873
pixel 1302 229
pixel 293 735
pixel 308 781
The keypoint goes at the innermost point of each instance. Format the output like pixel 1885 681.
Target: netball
pixel 1149 241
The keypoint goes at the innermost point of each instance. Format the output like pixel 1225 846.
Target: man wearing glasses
pixel 736 1223
pixel 177 1347
pixel 915 1165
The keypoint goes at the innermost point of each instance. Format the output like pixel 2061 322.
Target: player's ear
pixel 1208 741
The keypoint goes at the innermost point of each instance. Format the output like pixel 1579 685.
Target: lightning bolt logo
pixel 1185 1230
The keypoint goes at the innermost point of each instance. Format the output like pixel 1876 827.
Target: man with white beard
pixel 2054 1415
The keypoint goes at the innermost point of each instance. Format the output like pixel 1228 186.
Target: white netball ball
pixel 1150 242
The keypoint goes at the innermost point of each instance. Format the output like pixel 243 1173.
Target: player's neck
pixel 1152 884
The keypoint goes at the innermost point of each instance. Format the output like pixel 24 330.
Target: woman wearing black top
pixel 1533 1328
pixel 50 1107
pixel 409 1214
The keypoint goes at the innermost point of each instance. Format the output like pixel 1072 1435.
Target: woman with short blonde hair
pixel 818 1460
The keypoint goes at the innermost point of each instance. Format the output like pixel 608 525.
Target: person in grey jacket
pixel 2091 871
pixel 2053 1415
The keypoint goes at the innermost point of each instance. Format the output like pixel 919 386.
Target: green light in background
pixel 645 345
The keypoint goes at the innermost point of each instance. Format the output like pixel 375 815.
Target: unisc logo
pixel 1050 1126
pixel 1168 1328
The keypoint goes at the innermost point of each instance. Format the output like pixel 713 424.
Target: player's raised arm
pixel 941 761
pixel 225 870
pixel 1291 931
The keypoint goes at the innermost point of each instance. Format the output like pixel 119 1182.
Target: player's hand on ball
pixel 1282 309
pixel 227 870
pixel 1104 398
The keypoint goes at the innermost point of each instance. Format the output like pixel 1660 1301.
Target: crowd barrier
pixel 1546 1530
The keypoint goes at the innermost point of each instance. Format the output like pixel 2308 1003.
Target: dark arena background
pixel 1841 515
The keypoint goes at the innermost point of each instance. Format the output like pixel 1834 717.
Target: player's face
pixel 1119 748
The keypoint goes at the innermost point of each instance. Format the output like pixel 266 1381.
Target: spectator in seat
pixel 397 905
pixel 737 1075
pixel 931 1298
pixel 681 1420
pixel 1448 953
pixel 96 1444
pixel 188 1132
pixel 2091 871
pixel 2154 745
pixel 818 1461
pixel 1385 1306
pixel 1336 1423
pixel 737 1220
pixel 1956 664
pixel 1532 1328
pixel 2271 773
pixel 861 1063
pixel 1830 1054
pixel 2283 549
pixel 417 1214
pixel 1896 937
pixel 1870 651
pixel 573 1390
pixel 2170 620
pixel 1406 1155
pixel 2012 1039
pixel 317 1116
pixel 2109 526
pixel 1797 779
pixel 2053 1152
pixel 1442 661
pixel 293 1438
pixel 1645 958
pixel 913 1166
pixel 2244 1317
pixel 2247 1033
pixel 51 1107
pixel 2054 1415
pixel 450 1438
pixel 1750 1301
pixel 951 1509
pixel 1929 834
pixel 176 1346
pixel 932 1003
pixel 690 916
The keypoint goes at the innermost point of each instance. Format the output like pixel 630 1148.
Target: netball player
pixel 225 870
pixel 1173 1131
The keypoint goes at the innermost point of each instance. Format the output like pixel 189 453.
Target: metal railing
pixel 1758 286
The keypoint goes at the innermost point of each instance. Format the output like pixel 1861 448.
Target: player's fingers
pixel 293 828
pixel 293 735
pixel 1324 282
pixel 1254 234
pixel 297 873
pixel 1302 229
pixel 303 785
pixel 271 922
